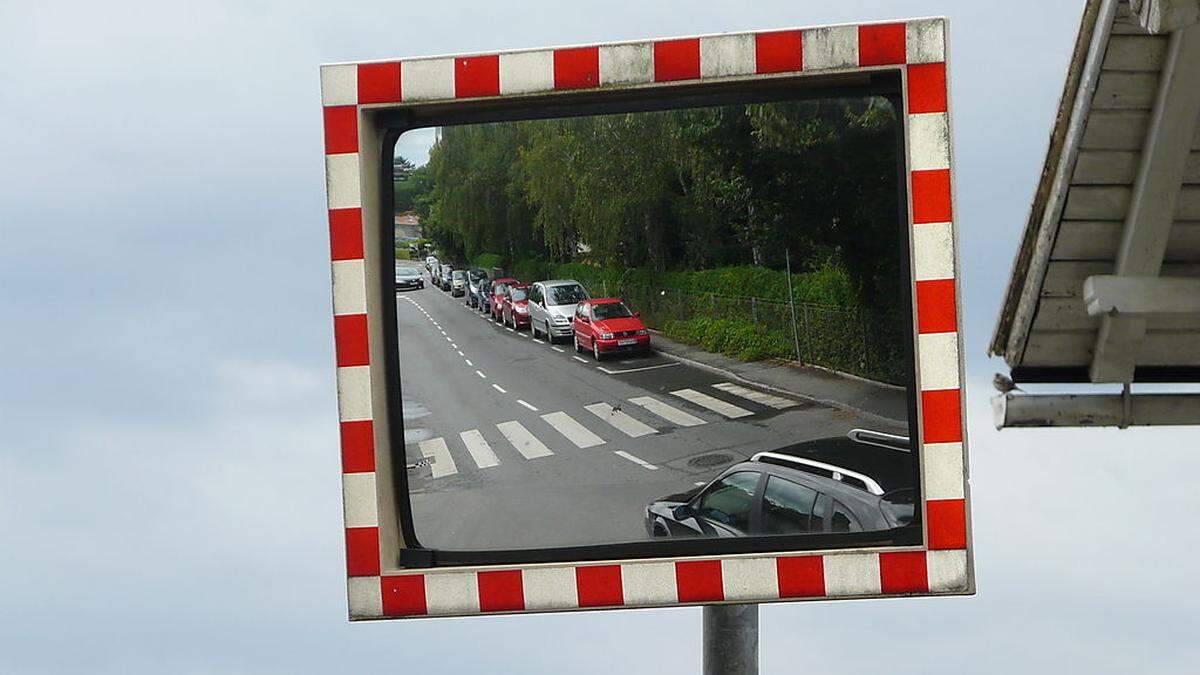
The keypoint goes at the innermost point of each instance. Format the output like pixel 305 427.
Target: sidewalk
pixel 860 396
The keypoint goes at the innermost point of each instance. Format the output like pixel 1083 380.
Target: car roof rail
pixel 880 439
pixel 851 478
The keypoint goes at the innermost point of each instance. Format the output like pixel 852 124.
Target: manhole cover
pixel 715 459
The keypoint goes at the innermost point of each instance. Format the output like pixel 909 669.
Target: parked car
pixel 606 326
pixel 496 302
pixel 445 276
pixel 409 277
pixel 458 283
pixel 515 310
pixel 552 307
pixel 475 278
pixel 790 492
pixel 485 295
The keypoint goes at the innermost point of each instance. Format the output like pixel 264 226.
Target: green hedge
pixel 827 285
pixel 743 312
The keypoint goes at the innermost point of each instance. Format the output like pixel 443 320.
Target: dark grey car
pixel 795 491
pixel 409 277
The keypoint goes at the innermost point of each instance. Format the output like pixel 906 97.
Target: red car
pixel 606 325
pixel 514 310
pixel 496 303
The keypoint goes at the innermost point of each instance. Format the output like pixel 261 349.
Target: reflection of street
pixel 515 443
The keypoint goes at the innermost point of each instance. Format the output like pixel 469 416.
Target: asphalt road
pixel 515 443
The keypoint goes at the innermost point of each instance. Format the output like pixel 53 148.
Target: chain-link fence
pixel 867 343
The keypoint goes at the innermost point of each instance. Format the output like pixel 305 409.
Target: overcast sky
pixel 169 481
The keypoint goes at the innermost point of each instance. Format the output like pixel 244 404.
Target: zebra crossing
pixel 563 426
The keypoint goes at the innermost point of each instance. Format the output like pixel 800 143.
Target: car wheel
pixel 596 350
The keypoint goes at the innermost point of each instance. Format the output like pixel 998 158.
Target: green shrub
pixel 529 270
pixel 487 261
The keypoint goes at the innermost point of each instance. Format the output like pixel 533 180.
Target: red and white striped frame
pixel 378 588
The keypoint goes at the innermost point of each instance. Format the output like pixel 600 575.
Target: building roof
pixel 1115 220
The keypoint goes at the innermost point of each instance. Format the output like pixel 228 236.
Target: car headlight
pixel 606 336
pixel 643 331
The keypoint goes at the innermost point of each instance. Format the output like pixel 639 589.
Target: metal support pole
pixel 787 256
pixel 731 640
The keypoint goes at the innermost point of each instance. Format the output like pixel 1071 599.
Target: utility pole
pixel 731 639
pixel 787 256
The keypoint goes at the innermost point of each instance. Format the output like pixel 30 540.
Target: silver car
pixel 552 307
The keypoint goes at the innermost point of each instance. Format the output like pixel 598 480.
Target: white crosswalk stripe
pixel 480 451
pixel 624 423
pixel 777 402
pixel 525 443
pixel 669 413
pixel 573 430
pixel 441 462
pixel 714 404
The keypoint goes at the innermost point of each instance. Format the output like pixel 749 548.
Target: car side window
pixel 730 500
pixel 843 520
pixel 788 507
pixel 535 294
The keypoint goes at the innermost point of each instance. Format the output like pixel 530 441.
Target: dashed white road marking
pixel 524 442
pixel 573 430
pixel 461 354
pixel 527 405
pixel 777 402
pixel 442 463
pixel 469 363
pixel 499 388
pixel 453 346
pixel 699 483
pixel 449 340
pixel 560 350
pixel 579 359
pixel 669 413
pixel 538 341
pixel 480 451
pixel 714 404
pixel 623 423
pixel 480 374
pixel 636 460
pixel 509 329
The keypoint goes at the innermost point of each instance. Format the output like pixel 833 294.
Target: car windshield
pixel 518 294
pixel 408 273
pixel 458 275
pixel 568 294
pixel 611 310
